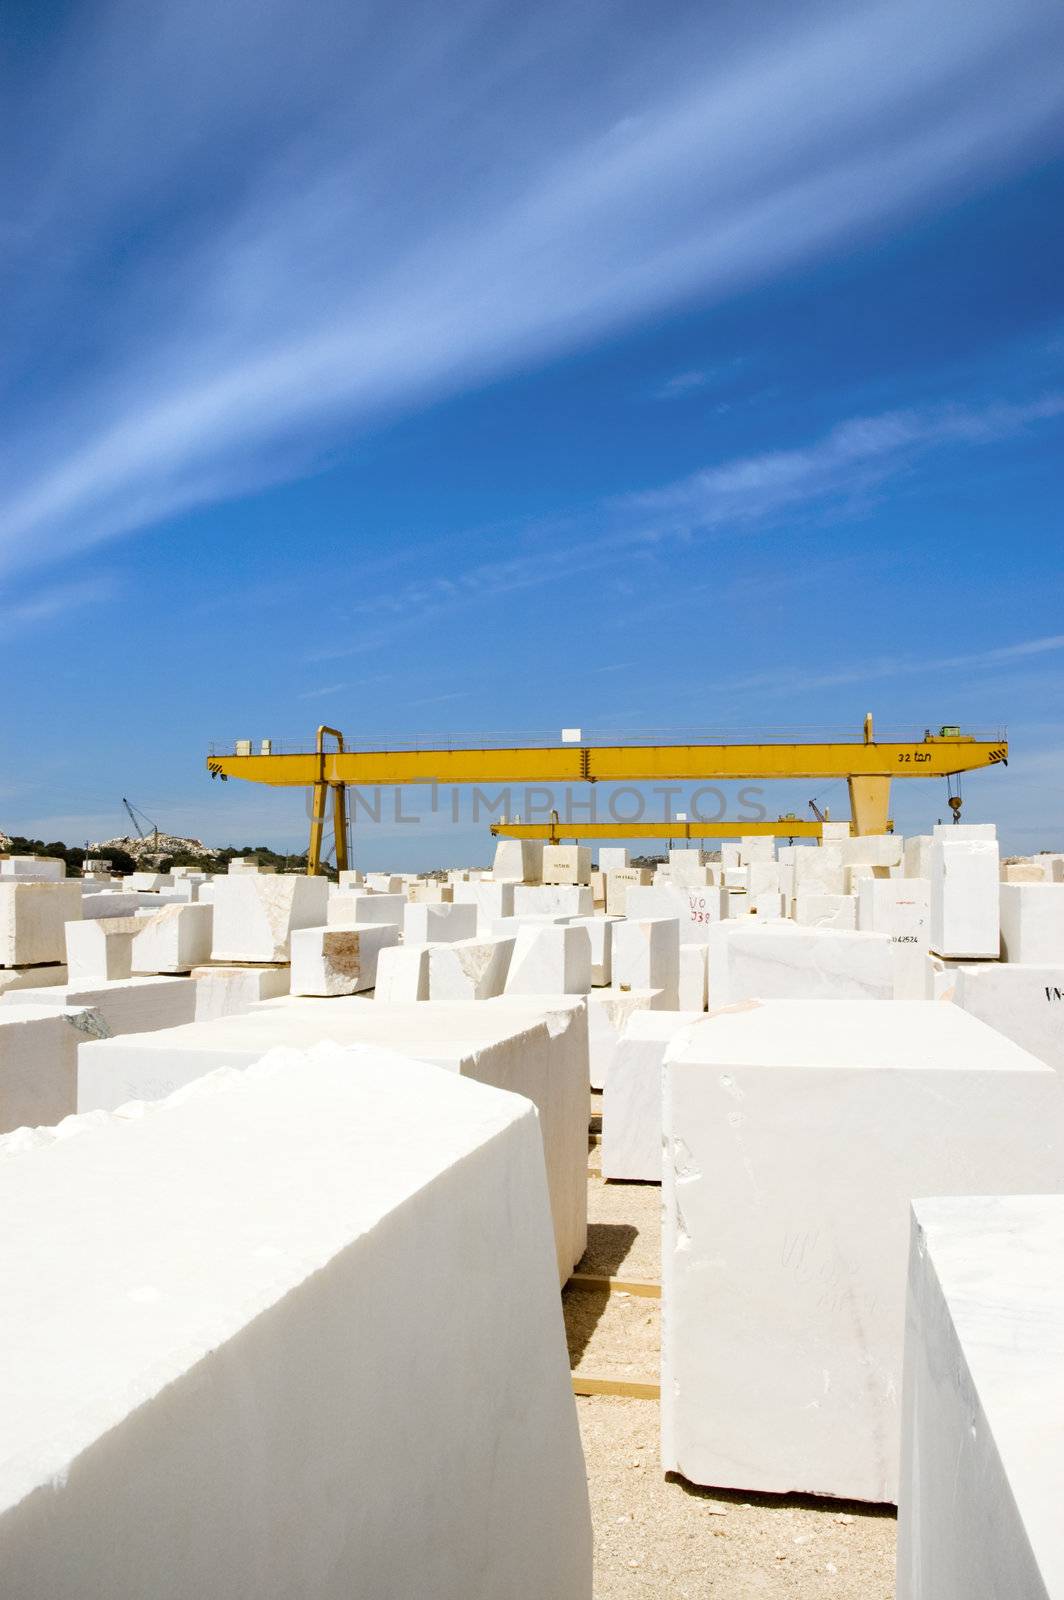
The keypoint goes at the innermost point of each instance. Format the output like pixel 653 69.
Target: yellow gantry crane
pixel 867 765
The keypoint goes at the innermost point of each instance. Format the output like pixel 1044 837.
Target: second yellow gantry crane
pixel 867 765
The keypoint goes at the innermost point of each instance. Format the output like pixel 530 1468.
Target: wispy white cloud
pixel 233 253
pixel 39 607
pixel 901 666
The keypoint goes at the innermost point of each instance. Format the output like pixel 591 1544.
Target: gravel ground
pixel 661 1537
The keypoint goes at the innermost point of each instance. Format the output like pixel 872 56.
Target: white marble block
pixel 885 850
pixel 431 894
pixel 631 1100
pixel 123 1005
pixel 965 888
pixel 32 921
pixel 688 868
pixel 469 969
pixel 818 868
pixel 99 951
pixel 1025 1003
pixel 350 879
pixel 518 861
pixel 1032 922
pixel 696 910
pixel 439 924
pixel 646 955
pixel 340 958
pixel 611 857
pixel 402 973
pixel 600 932
pixel 553 900
pixel 255 914
pixel 149 880
pixel 900 908
pixel 384 882
pixel 216 1392
pixel 108 903
pixel 550 959
pixel 768 907
pixel 763 877
pixel 15 979
pixel 607 1012
pixel 940 977
pixel 796 1135
pixel 618 882
pixel 175 939
pixel 39 1070
pixel 779 961
pixel 756 847
pixel 493 901
pixel 916 856
pixel 982 1471
pixel 345 909
pixel 566 863
pixel 694 973
pixel 815 910
pixel 33 869
pixel 964 830
pixel 231 991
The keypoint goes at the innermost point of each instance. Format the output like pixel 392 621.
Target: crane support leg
pixel 339 799
pixel 317 829
pixel 869 804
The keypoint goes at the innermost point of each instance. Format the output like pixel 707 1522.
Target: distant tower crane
pixel 134 813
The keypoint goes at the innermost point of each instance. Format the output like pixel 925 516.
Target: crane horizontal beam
pixel 559 832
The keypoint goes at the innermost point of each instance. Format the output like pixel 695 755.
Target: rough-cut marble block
pixel 39 1070
pixel 814 910
pixel 619 880
pixel 731 855
pixel 402 973
pixel 13 979
pixel 107 903
pixel 696 910
pixel 736 878
pixel 833 832
pixel 255 914
pixel 339 959
pixel 965 888
pixel 598 889
pixel 230 991
pixel 763 877
pixel 384 882
pixel 940 977
pixel 32 921
pixel 439 924
pixel 779 961
pixel 611 857
pixel 982 1473
pixel 509 1048
pixel 518 861
pixel 797 1133
pixel 1025 1003
pixel 345 909
pixel 1032 922
pixel 124 1005
pixel 550 959
pixel 350 879
pixel 469 969
pixel 99 952
pixel 607 1012
pixel 756 847
pixel 33 869
pixel 646 955
pixel 149 880
pixel 600 932
pixel 492 901
pixel 1023 872
pixel 768 907
pixel 687 868
pixel 916 856
pixel 819 868
pixel 900 908
pixel 200 1403
pixel 631 1100
pixel 874 849
pixel 553 900
pixel 175 939
pixel 694 972
pixel 964 830
pixel 566 863
pixel 432 894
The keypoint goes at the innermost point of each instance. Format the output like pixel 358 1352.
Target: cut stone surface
pixel 439 924
pixel 778 961
pixel 982 1473
pixel 900 908
pixel 469 969
pixel 511 1046
pixel 553 900
pixel 384 882
pixel 687 868
pixel 175 939
pixel 100 951
pixel 14 978
pixel 383 909
pixel 230 991
pixel 32 921
pixel 965 888
pixel 566 863
pixel 255 913
pixel 600 932
pixel 916 856
pixel 814 910
pixel 611 857
pixel 433 894
pixel 110 903
pixel 552 959
pixel 39 1069
pixel 797 1133
pixel 607 1012
pixel 874 849
pixel 125 1005
pixel 694 972
pixel 818 868
pixel 339 959
pixel 518 861
pixel 492 900
pixel 631 1101
pixel 1032 922
pixel 1025 1003
pixel 696 910
pixel 646 955
pixel 403 973
pixel 235 1354
pixel 618 882
pixel 33 869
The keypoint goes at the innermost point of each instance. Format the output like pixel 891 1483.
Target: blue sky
pixel 489 368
